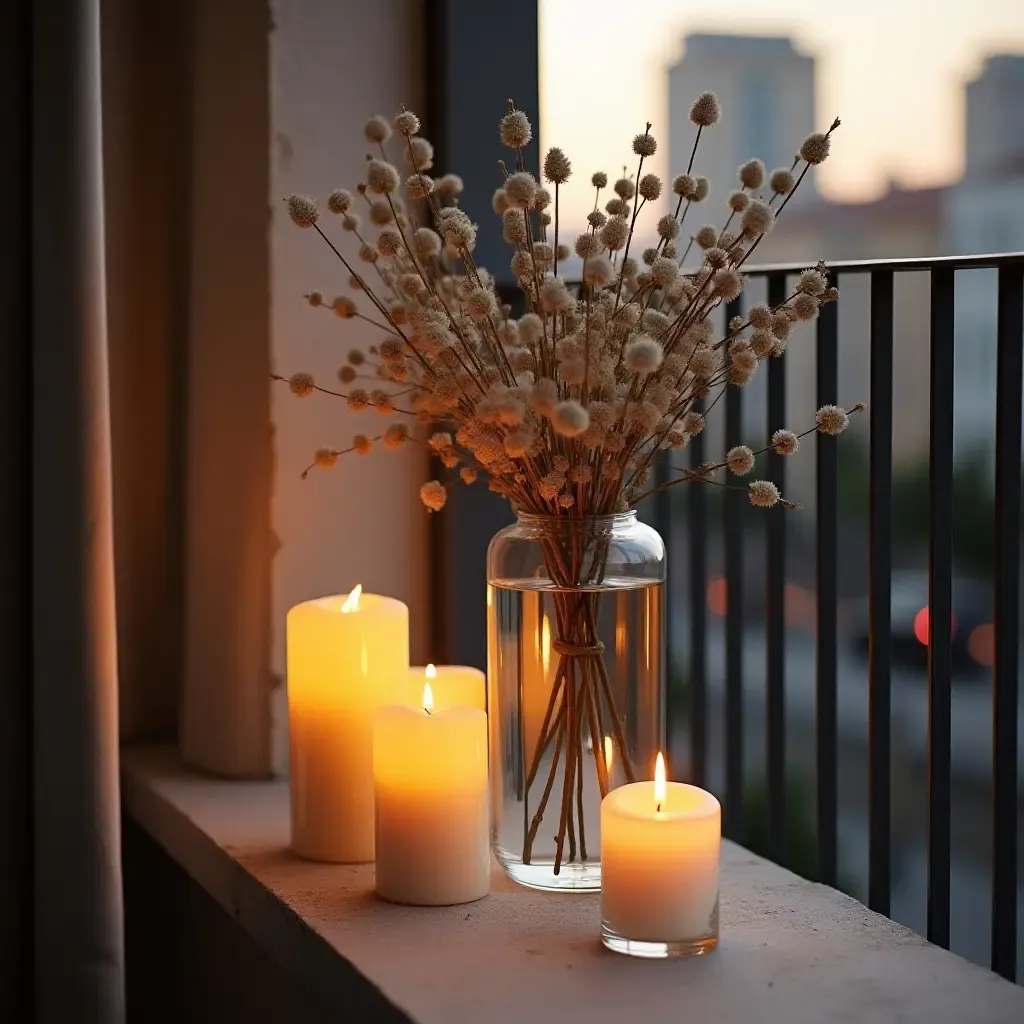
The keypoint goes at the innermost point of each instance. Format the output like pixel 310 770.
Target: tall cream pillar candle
pixel 347 656
pixel 659 868
pixel 430 771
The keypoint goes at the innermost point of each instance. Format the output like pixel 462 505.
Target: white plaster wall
pixel 332 65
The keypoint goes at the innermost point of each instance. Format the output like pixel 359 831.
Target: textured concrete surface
pixel 790 950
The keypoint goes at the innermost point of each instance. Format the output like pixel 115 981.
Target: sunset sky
pixel 893 70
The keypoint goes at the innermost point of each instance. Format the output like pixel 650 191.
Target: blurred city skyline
pixel 894 74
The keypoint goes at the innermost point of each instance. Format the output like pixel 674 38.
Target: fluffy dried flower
pixel 350 222
pixel 377 130
pixel 703 189
pixel 522 265
pixel 740 460
pixel 587 245
pixel 557 167
pixel 785 442
pixel 596 219
pixel 814 149
pixel 389 241
pixel 664 271
pixel 615 234
pixel 643 355
pixel 738 201
pixel 302 210
pixel 569 418
pixel 521 189
pixel 513 227
pixel 812 282
pixel 554 296
pixel 763 493
pixel 650 187
pixel 598 271
pixel 434 495
pixel 782 181
pixel 346 374
pixel 804 306
pixel 368 254
pixel 782 326
pixel 707 236
pixel 624 188
pixel 830 295
pixel 301 384
pixel 339 200
pixel 362 444
pixel 644 144
pixel 481 304
pixel 727 283
pixel 542 200
pixel 382 402
pixel 449 186
pixel 315 298
pixel 419 186
pixel 420 154
pixel 325 458
pixel 358 399
pixel 705 111
pixel 685 185
pixel 599 179
pixel 407 123
pixel 762 342
pixel 356 357
pixel 758 218
pixel 468 474
pixel 395 436
pixel 517 443
pixel 716 257
pixel 832 419
pixel 760 316
pixel 515 130
pixel 752 174
pixel 381 177
pixel 343 307
pixel 693 423
pixel 668 227
pixel 703 362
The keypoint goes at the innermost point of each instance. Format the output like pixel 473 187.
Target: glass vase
pixel 576 685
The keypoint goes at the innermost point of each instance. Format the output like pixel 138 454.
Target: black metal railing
pixel 1010 342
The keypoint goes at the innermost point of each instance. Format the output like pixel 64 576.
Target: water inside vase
pixel 539 634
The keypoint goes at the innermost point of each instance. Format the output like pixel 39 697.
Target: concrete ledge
pixel 791 951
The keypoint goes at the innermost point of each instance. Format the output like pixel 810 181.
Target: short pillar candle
pixel 659 868
pixel 453 686
pixel 433 834
pixel 347 656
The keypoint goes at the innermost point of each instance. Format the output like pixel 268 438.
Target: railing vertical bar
pixel 880 592
pixel 775 604
pixel 733 514
pixel 697 498
pixel 940 601
pixel 1010 341
pixel 826 586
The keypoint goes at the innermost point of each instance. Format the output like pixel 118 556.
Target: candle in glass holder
pixel 347 656
pixel 659 868
pixel 453 686
pixel 430 773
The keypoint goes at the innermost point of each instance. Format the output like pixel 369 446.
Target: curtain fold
pixel 78 940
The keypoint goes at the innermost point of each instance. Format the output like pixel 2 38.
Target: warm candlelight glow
pixel 608 753
pixel 430 672
pixel 659 780
pixel 428 698
pixel 545 645
pixel 352 601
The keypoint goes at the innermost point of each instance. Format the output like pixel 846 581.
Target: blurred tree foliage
pixel 973 502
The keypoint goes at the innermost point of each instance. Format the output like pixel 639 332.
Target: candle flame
pixel 659 780
pixel 608 753
pixel 430 672
pixel 352 601
pixel 428 698
pixel 545 644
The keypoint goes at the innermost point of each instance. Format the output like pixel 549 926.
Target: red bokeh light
pixel 921 626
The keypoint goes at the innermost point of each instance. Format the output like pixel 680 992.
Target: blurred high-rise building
pixel 766 89
pixel 995 118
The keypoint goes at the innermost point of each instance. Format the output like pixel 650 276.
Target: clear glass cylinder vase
pixel 576 685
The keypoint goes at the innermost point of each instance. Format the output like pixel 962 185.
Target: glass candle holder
pixel 659 859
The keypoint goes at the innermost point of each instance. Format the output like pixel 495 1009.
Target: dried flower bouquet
pixel 565 409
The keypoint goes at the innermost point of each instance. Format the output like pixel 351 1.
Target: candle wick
pixel 659 808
